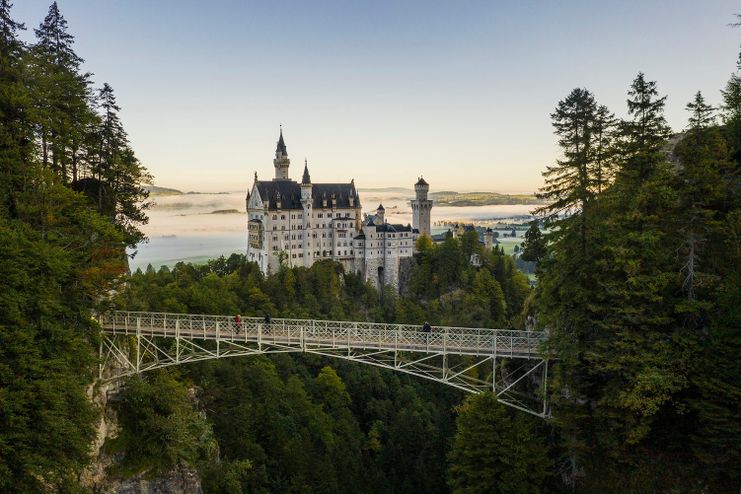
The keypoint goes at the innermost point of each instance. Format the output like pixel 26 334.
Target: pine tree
pixel 567 186
pixel 117 187
pixel 494 453
pixel 643 137
pixel 603 135
pixel 61 95
pixel 534 247
pixel 701 113
pixel 16 131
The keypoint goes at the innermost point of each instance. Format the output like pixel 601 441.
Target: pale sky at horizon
pixel 381 91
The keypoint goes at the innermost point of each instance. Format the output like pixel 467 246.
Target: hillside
pixel 162 191
pixel 451 198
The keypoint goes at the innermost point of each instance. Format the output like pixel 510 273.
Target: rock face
pixel 406 269
pixel 181 480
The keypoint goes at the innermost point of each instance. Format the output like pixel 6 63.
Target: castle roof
pixel 393 228
pixel 289 193
pixel 421 181
pixel 281 144
pixel 380 208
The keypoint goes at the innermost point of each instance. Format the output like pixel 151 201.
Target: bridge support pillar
pixel 177 341
pixel 545 388
pixel 138 341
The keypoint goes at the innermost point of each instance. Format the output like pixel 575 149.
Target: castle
pixel 301 223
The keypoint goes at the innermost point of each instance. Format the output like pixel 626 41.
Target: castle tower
pixel 281 161
pixel 307 201
pixel 488 239
pixel 381 214
pixel 421 208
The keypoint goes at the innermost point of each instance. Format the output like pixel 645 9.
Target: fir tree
pixel 494 453
pixel 642 137
pixel 534 247
pixel 701 113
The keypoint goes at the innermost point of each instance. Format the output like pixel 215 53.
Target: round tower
pixel 488 239
pixel 421 208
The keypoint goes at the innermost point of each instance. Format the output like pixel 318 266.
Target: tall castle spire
pixel 281 148
pixel 306 179
pixel 281 161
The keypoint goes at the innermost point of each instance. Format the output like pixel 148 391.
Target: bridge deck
pixel 320 334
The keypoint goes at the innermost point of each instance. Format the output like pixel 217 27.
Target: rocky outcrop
pixel 97 477
pixel 182 480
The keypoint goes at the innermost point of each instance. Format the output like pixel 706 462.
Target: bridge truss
pixel 506 362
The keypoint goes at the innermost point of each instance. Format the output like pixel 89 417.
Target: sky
pixel 459 92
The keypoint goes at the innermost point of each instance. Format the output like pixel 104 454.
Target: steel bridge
pixel 470 359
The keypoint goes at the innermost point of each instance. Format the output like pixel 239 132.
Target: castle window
pixel 320 215
pixel 329 215
pixel 275 216
pixel 282 216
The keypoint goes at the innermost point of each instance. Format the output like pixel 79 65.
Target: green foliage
pixel 293 424
pixel 635 291
pixel 58 259
pixel 534 247
pixel 159 427
pixel 495 452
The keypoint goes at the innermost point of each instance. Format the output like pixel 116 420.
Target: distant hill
pixel 162 191
pixel 449 198
pixel 401 190
pixel 225 211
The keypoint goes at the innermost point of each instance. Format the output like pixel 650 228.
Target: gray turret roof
pixel 421 181
pixel 306 179
pixel 380 208
pixel 281 145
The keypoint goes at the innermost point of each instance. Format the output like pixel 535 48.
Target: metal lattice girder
pixel 469 359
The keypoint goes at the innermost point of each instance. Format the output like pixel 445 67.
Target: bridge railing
pixel 312 333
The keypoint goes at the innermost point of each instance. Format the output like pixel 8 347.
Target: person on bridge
pixel 266 323
pixel 426 328
pixel 238 323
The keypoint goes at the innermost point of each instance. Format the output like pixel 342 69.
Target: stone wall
pixel 406 268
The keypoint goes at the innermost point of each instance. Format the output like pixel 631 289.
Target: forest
pixel 638 252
